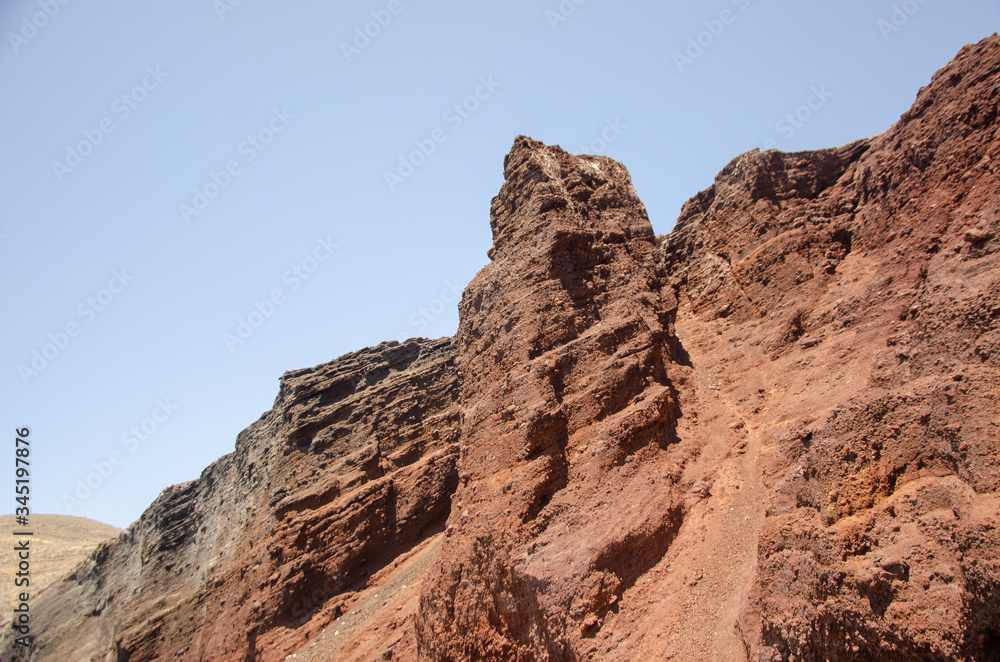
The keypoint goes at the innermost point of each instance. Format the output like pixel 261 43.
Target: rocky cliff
pixel 845 305
pixel 346 477
pixel 569 468
pixel 772 434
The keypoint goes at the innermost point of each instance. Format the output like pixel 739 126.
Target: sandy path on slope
pixel 730 518
pixel 379 625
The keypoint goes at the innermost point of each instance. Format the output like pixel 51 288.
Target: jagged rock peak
pixel 595 191
pixel 565 346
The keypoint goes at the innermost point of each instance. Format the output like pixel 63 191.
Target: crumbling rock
pixel 871 291
pixel 567 490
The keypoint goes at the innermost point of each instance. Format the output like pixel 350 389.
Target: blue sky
pixel 195 193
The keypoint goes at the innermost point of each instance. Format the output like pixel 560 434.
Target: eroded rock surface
pixel 822 477
pixel 771 435
pixel 352 468
pixel 846 303
pixel 567 490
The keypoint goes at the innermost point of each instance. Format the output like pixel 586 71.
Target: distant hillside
pixel 59 544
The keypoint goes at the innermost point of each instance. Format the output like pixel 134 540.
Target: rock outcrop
pixel 771 435
pixel 848 301
pixel 351 470
pixel 568 483
pixel 823 485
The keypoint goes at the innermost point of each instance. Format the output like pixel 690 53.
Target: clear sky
pixel 169 166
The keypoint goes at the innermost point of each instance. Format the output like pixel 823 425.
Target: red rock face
pixel 568 417
pixel 771 435
pixel 824 484
pixel 847 303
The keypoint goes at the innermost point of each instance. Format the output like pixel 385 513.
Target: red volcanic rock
pixel 847 301
pixel 836 429
pixel 771 435
pixel 567 490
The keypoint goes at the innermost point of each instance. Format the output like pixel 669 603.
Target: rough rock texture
pixel 352 468
pixel 567 490
pixel 819 482
pixel 845 302
pixel 771 435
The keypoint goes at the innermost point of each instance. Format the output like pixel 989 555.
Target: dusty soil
pixel 379 623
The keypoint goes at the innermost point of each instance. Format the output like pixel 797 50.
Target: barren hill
pixel 59 544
